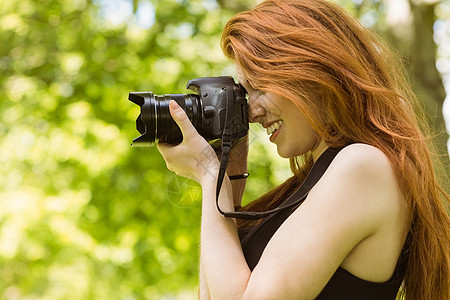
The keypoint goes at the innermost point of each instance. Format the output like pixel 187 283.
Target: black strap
pixel 226 143
pixel 299 195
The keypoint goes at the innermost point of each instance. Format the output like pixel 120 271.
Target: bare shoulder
pixel 362 178
pixel 364 158
pixel 363 168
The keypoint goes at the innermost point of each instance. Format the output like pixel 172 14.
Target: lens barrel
pixel 155 122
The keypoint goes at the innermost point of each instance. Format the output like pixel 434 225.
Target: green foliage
pixel 83 215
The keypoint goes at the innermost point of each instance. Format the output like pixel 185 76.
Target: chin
pixel 285 154
pixel 289 153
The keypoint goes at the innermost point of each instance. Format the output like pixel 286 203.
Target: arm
pixel 356 201
pixel 223 261
pixel 237 165
pixel 346 207
pixel 215 228
pixel 352 202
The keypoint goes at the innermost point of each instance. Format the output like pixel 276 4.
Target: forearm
pixel 238 185
pixel 222 260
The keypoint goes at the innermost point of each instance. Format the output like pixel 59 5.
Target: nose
pixel 255 111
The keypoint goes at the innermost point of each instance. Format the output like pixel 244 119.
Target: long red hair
pixel 351 89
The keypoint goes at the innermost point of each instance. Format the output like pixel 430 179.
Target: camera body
pixel 217 101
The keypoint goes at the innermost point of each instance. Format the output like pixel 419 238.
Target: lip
pixel 275 134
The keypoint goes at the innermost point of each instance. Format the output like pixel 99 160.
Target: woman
pixel 321 83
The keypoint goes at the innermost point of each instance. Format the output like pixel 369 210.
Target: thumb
pixel 180 117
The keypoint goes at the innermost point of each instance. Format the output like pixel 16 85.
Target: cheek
pixel 301 138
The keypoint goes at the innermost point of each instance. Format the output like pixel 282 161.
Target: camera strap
pixel 316 172
pixel 295 199
pixel 227 138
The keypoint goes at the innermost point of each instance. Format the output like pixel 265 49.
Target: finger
pixel 180 117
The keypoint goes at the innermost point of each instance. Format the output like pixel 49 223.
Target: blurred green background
pixel 82 214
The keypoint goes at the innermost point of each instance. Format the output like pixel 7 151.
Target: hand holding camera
pixel 218 111
pixel 193 157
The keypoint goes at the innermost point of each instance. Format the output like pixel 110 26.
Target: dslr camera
pixel 218 107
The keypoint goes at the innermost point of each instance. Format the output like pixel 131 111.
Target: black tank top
pixel 342 285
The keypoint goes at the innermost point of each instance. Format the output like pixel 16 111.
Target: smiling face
pixel 285 123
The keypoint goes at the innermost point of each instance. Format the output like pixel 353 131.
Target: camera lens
pixel 155 122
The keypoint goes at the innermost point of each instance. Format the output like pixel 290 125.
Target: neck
pixel 318 149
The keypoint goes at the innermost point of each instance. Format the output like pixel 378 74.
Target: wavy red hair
pixel 351 89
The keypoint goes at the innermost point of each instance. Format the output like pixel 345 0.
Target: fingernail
pixel 173 105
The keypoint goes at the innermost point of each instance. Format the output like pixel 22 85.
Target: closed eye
pixel 255 89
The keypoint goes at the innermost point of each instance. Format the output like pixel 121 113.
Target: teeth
pixel 271 129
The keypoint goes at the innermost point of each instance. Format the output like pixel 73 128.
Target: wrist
pixel 209 175
pixel 239 176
